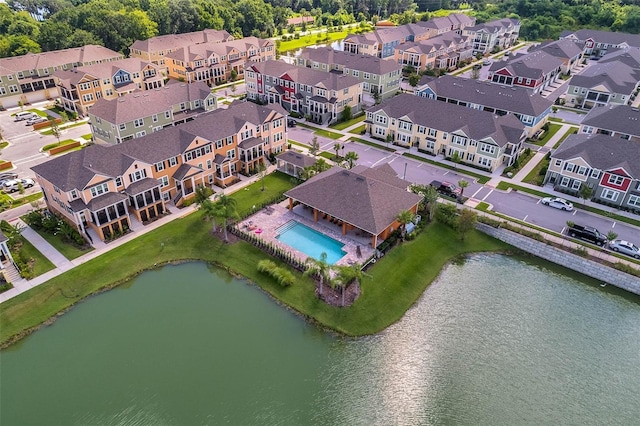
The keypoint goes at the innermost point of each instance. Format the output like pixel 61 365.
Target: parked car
pixel 14 184
pixel 24 115
pixel 477 66
pixel 35 120
pixel 8 175
pixel 587 233
pixel 507 53
pixel 558 203
pixel 291 122
pixel 625 247
pixel 486 62
pixel 447 188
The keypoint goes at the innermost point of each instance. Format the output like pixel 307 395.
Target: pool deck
pixel 267 221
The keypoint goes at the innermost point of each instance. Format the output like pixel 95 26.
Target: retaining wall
pixel 569 260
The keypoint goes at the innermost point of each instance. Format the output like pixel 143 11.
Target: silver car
pixel 625 247
pixel 558 203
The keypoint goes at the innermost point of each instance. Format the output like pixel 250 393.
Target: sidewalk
pixel 63 264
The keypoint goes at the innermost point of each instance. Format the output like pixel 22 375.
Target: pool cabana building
pixel 363 200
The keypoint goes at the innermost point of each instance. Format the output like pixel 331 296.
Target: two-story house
pixel 565 49
pixel 500 33
pixel 155 49
pixel 530 108
pixel 479 138
pixel 606 164
pixel 598 43
pixel 620 121
pixel 614 80
pixel 140 113
pixel 214 62
pixel 321 96
pixel 536 71
pixel 106 190
pixel 29 78
pixel 441 52
pixel 381 76
pixel 81 87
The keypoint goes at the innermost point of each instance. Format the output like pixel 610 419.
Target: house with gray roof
pixel 598 43
pixel 606 164
pixel 530 108
pixel 140 113
pixel 615 79
pixel 29 78
pixel 293 162
pixel 620 121
pixel 321 96
pixel 444 51
pixel 381 76
pixel 362 200
pixel 479 138
pixel 500 34
pixel 104 190
pixel 536 70
pixel 566 49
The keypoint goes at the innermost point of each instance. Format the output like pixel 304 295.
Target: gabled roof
pixel 602 152
pixel 529 65
pixel 297 159
pixel 78 55
pixel 77 169
pixel 563 48
pixel 360 62
pixel 608 37
pixel 615 76
pixel 618 118
pixel 303 75
pixel 446 117
pixel 513 99
pixel 363 201
pixel 495 26
pixel 193 52
pixel 106 70
pixel 442 41
pixel 175 41
pixel 149 102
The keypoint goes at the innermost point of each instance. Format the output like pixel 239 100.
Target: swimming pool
pixel 310 242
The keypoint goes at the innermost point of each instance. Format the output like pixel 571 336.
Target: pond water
pixel 492 341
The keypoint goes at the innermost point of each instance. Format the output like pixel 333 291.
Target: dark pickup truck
pixel 446 188
pixel 587 233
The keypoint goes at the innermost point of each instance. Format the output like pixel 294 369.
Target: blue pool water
pixel 310 242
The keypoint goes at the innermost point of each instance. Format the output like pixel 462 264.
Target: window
pixel 569 167
pixel 164 181
pixel 558 163
pixel 582 170
pixel 366 75
pixel 173 161
pixel 119 181
pixel 634 200
pixel 99 189
pixel 74 194
pixel 231 153
pixel 138 122
pixel 88 97
pixel 610 194
pixel 381 119
pixel 565 181
pixel 484 162
pixel 616 180
pixel 209 164
pixel 576 185
pixel 159 166
pixel 404 125
pixel 489 149
pixel 137 175
pixel 433 132
pixel 154 118
pixel 595 173
pixel 380 131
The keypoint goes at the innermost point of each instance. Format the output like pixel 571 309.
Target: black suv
pixel 587 233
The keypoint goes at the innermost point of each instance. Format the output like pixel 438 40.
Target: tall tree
pixel 351 157
pixel 466 222
pixel 227 211
pixel 349 274
pixel 404 218
pixel 319 268
pixel 462 184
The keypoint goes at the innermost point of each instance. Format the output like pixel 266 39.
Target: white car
pixel 35 120
pixel 14 184
pixel 625 247
pixel 558 203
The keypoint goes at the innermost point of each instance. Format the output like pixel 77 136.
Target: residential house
pixel 445 51
pixel 156 48
pixel 293 163
pixel 6 260
pixel 106 190
pixel 140 113
pixel 215 62
pixel 606 164
pixel 365 201
pixel 486 37
pixel 620 121
pixel 530 108
pixel 29 78
pixel 479 138
pixel 81 87
pixel 320 95
pixel 565 49
pixel 598 43
pixel 615 80
pixel 383 41
pixel 536 71
pixel 381 76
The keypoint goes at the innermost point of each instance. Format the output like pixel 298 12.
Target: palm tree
pixel 336 148
pixel 351 157
pixel 349 274
pixel 226 211
pixel 318 267
pixel 201 194
pixel 262 172
pixel 462 184
pixel 405 217
pixel 210 211
pixel 306 173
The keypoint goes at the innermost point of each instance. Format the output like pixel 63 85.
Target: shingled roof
pixel 529 65
pixel 365 63
pixel 78 55
pixel 360 200
pixel 176 41
pixel 602 152
pixel 617 76
pixel 204 50
pixel 446 117
pixel 613 38
pixel 618 118
pixel 563 48
pixel 303 75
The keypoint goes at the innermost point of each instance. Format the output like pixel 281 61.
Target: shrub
pixel 283 276
pixel 447 214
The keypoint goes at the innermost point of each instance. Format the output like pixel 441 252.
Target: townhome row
pixel 380 77
pixel 441 52
pixel 479 138
pixel 606 164
pixel 500 34
pixel 321 96
pixel 530 108
pixel 29 78
pixel 140 113
pixel 598 43
pixel 383 41
pixel 614 79
pixel 105 190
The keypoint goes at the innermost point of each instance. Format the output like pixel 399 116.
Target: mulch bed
pixel 333 296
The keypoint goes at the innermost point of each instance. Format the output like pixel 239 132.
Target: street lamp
pixel 405 171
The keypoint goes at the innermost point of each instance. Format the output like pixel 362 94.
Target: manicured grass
pixel 310 40
pixel 41 264
pixel 359 130
pixel 20 201
pixel 482 206
pixel 322 132
pixel 557 120
pixel 373 144
pixel 344 124
pixel 328 155
pixel 480 178
pixel 274 184
pixel 56 145
pixel 534 177
pixel 67 250
pixel 64 127
pixel 292 142
pixel 522 161
pixel 4 145
pixel 571 131
pixel 87 137
pixel 553 129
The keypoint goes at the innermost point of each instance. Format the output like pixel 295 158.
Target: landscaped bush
pixel 447 214
pixel 284 277
pixel 627 269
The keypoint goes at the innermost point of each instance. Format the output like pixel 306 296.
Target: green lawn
pixel 322 132
pixel 56 145
pixel 292 142
pixel 41 264
pixel 274 185
pixel 19 201
pixel 534 177
pixel 68 250
pixel 359 130
pixel 571 131
pixel 4 145
pixel 344 124
pixel 553 129
pixel 310 40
